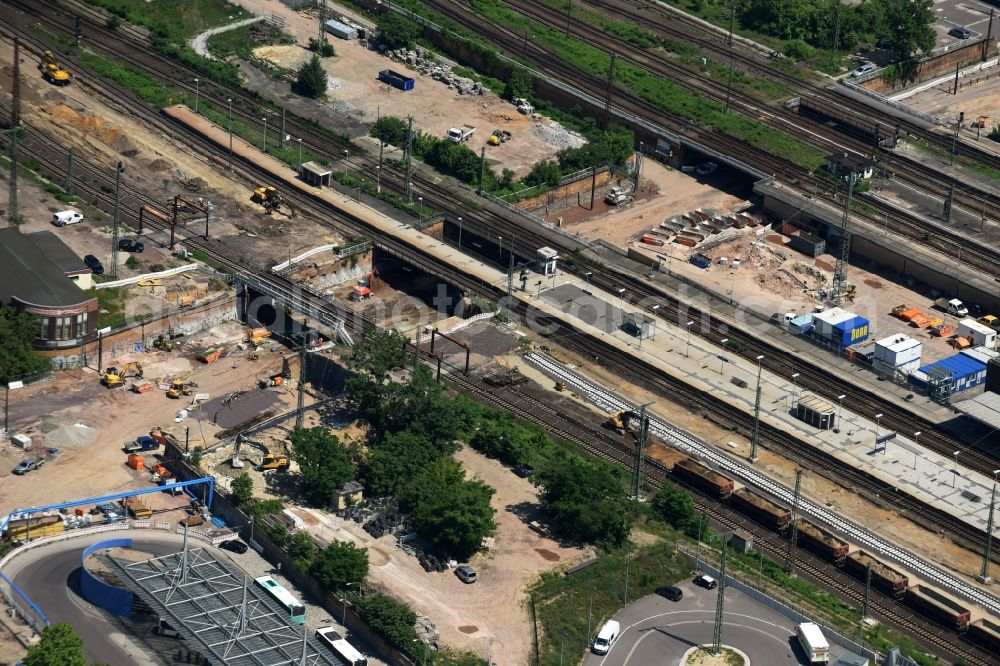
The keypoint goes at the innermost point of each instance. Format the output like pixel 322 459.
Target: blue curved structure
pixel 103 595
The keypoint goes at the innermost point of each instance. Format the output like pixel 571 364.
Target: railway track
pixel 316 302
pixel 52 162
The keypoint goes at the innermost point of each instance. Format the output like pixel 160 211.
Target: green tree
pixel 519 84
pixel 340 564
pixel 60 646
pixel 675 506
pixel 17 358
pixel 507 440
pixel 389 618
pixel 242 488
pixel 302 549
pixel 448 510
pixel 545 172
pixel 398 458
pixel 585 500
pixel 377 354
pixel 397 32
pixel 909 24
pixel 390 129
pixel 311 80
pixel 324 463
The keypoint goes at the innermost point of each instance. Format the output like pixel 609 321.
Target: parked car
pixel 706 582
pixel 234 546
pixel 466 574
pixel 94 264
pixel 62 218
pixel 524 471
pixel 27 465
pixel 960 33
pixel 670 592
pixel 861 70
pixel 131 245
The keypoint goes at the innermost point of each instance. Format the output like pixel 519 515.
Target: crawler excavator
pixel 114 377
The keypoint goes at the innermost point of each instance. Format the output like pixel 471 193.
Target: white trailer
pixel 813 643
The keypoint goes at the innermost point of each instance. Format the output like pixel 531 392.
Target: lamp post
pixel 587 276
pixel 197 93
pixel 343 621
pixel 655 309
pixel 621 303
pixel 420 200
pixel 756 414
pixel 840 407
pixel 984 576
pixel 6 406
pixel 916 442
pixel 378 180
pixel 954 478
pixel 687 349
pixel 878 422
pixel 101 332
pixel 264 142
pixel 500 249
pixel 347 155
pixel 795 388
pixel 230 133
pixel 722 357
pixel 300 151
pixel 459 232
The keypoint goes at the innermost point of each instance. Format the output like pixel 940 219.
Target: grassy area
pixel 111 304
pixel 242 41
pixel 561 602
pixel 177 20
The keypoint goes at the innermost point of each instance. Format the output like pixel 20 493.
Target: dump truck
pixel 52 71
pixel 142 443
pixel 114 377
pixel 461 134
pixel 952 306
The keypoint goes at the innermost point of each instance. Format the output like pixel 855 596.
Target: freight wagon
pixel 703 478
pixel 822 542
pixel 764 511
pixel 884 577
pixel 396 80
pixel 938 607
pixel 986 633
pixel 34 527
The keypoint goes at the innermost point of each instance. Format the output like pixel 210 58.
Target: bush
pixel 132 262
pixel 799 50
pixel 390 129
pixel 397 32
pixel 545 172
pixel 311 79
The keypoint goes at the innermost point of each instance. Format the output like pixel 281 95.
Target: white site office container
pixel 899 351
pixel 823 322
pixel 981 334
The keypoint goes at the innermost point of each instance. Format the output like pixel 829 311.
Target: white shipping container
pixel 823 322
pixel 898 351
pixel 981 334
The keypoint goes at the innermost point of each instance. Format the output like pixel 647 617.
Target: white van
pixel 62 218
pixel 606 637
pixel 813 643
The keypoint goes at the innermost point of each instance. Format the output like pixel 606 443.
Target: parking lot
pixel 970 14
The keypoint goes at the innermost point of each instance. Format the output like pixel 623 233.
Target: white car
pixel 863 69
pixel 62 218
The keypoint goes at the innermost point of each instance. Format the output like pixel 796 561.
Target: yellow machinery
pixel 51 70
pixel 257 336
pixel 498 136
pixel 178 388
pixel 272 461
pixel 115 377
pixel 163 342
pixel 272 201
pixel 619 421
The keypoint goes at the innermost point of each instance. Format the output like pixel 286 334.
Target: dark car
pixel 960 33
pixel 706 582
pixel 670 592
pixel 131 245
pixel 94 264
pixel 524 471
pixel 235 546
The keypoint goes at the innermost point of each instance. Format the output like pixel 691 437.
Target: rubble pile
pixel 424 62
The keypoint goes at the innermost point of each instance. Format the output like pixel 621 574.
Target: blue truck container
pixel 396 80
pixel 850 332
pixel 964 370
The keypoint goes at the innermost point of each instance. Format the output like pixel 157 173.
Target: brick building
pixel 40 275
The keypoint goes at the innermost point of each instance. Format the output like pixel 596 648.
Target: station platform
pixel 694 360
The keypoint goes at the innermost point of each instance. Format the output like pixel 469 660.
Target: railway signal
pixel 77 31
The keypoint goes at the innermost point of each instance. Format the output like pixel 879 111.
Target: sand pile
pixel 71 436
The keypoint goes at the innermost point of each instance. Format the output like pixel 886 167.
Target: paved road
pixel 658 631
pixel 50 575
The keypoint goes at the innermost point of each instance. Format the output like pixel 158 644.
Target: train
pixel 937 606
pixel 822 542
pixel 765 511
pixel 703 478
pixel 884 577
pixel 986 633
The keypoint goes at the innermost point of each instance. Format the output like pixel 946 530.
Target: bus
pixel 296 611
pixel 340 647
pixel 813 643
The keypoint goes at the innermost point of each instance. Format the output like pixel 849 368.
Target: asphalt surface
pixel 658 631
pixel 50 575
pixel 971 14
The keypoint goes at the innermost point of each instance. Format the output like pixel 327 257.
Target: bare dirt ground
pixel 980 99
pixel 154 164
pixel 489 616
pixel 89 423
pixel 904 532
pixel 435 108
pixel 663 193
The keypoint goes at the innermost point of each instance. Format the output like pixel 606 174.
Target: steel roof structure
pixel 219 612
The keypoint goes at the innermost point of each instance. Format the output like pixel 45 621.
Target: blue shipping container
pixel 395 79
pixel 851 332
pixel 965 371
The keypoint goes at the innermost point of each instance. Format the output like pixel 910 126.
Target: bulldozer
pixel 51 71
pixel 114 377
pixel 180 387
pixel 272 201
pixel 273 461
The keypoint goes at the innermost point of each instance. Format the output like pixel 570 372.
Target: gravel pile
pixel 332 84
pixel 71 436
pixel 557 135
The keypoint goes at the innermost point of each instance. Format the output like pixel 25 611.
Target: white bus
pixel 813 643
pixel 296 611
pixel 340 647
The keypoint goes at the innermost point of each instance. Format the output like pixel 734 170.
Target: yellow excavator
pixel 52 71
pixel 619 421
pixel 272 201
pixel 273 461
pixel 114 377
pixel 180 387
